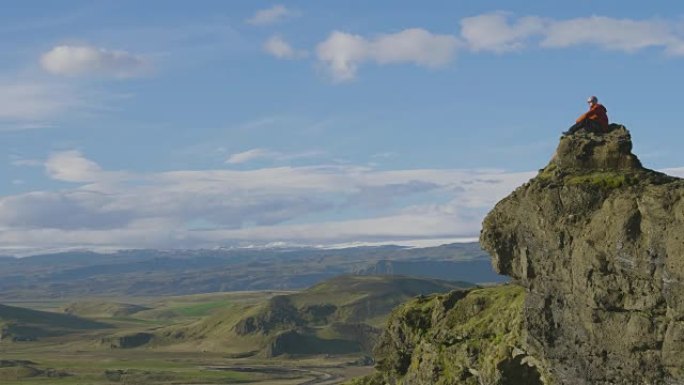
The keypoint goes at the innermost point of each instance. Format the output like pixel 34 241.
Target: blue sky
pixel 170 124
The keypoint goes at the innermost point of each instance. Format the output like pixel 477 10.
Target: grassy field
pixel 150 368
pixel 77 354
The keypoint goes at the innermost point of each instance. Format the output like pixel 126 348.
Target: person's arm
pixel 585 115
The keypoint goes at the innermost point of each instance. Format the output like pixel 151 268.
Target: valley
pixel 320 335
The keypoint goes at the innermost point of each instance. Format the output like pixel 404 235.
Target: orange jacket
pixel 596 112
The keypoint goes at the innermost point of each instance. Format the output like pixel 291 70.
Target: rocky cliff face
pixel 462 337
pixel 598 242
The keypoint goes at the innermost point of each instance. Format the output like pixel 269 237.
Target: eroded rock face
pixel 598 241
pixel 279 313
pixel 129 341
pixel 465 338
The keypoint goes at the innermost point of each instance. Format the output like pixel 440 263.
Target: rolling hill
pixel 21 324
pixel 338 316
pixel 95 309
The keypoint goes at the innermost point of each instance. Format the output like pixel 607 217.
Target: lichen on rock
pixel 473 337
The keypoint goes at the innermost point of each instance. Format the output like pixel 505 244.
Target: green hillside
pixel 21 324
pixel 338 316
pixel 368 299
pixel 95 309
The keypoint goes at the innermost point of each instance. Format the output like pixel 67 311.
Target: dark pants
pixel 587 124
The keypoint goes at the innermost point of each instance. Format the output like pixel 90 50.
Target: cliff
pixel 598 242
pixel 595 246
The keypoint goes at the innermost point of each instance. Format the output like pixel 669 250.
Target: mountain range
pixel 181 272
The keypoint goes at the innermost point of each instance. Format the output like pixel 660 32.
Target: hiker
pixel 595 119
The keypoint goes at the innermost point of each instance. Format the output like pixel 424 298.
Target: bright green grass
pixel 610 180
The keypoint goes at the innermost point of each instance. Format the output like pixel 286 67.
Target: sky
pixel 176 124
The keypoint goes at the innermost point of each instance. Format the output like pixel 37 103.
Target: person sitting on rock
pixel 594 120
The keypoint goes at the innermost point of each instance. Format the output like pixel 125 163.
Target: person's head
pixel 592 100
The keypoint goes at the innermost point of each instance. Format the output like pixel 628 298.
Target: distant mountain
pixel 474 271
pixel 180 272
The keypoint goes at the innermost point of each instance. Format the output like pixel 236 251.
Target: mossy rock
pixel 473 337
pixel 596 239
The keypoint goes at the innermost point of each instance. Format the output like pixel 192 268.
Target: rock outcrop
pixel 598 242
pixel 338 316
pixel 459 338
pixel 22 370
pixel 128 341
pixel 595 244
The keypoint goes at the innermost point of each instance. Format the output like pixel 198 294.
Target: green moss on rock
pixel 608 180
pixel 462 337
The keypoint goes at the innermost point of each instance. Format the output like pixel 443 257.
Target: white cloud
pixel 31 104
pixel 26 105
pixel 608 33
pixel 66 210
pixel 416 46
pixel 342 53
pixel 249 155
pixel 502 32
pixel 21 162
pixel 265 154
pixel 278 47
pixel 86 60
pixel 493 32
pixel 283 205
pixel 678 172
pixel 308 205
pixel 270 16
pixel 72 166
pixel 419 225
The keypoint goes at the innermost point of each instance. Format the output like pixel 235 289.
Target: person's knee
pixel 594 126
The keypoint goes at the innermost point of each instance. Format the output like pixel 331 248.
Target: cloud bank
pixel 314 205
pixel 502 32
pixel 341 54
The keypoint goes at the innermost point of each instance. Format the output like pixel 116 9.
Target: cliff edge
pixel 598 242
pixel 595 246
